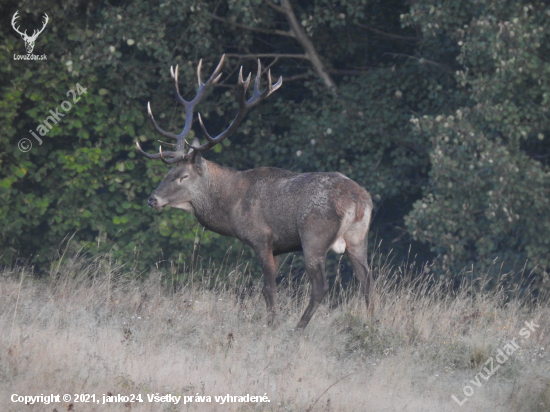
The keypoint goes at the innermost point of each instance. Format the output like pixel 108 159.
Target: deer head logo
pixel 29 40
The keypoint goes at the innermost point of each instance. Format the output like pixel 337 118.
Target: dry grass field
pixel 91 328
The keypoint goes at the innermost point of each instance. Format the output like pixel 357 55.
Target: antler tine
pixel 198 96
pixel 258 77
pixel 217 78
pixel 160 155
pixel 147 155
pixel 211 141
pixel 189 145
pixel 243 83
pixel 176 156
pixel 157 127
pixel 170 144
pixel 214 77
pixel 157 155
pixel 199 67
pixel 274 87
pixel 244 106
pixel 258 96
pixel 269 85
pixel 174 75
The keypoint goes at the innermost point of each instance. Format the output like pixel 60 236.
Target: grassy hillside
pixel 91 328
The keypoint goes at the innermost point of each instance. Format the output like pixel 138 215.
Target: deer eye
pixel 181 179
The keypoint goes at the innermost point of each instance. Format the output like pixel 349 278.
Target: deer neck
pixel 213 205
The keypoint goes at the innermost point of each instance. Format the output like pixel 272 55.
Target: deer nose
pixel 153 201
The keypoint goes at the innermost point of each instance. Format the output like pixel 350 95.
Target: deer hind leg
pixel 269 264
pixel 362 271
pixel 356 252
pixel 316 244
pixel 315 267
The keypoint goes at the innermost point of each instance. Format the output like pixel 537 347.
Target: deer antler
pixel 35 34
pixel 244 107
pixel 13 21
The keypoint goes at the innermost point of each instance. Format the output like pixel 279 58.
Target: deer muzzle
pixel 154 202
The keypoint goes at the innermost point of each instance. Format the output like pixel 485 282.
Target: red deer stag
pixel 274 211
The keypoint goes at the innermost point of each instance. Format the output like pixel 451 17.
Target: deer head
pixel 29 40
pixel 184 181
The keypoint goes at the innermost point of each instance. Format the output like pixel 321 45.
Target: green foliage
pixel 85 177
pixel 489 189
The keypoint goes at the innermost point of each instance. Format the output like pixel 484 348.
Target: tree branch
pixel 256 29
pixel 298 77
pixel 422 60
pixel 269 55
pixel 301 36
pixel 275 7
pixel 348 72
pixel 388 35
pixel 297 32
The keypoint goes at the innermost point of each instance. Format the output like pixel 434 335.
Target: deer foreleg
pixel 269 264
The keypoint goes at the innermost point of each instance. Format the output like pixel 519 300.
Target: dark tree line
pixel 441 111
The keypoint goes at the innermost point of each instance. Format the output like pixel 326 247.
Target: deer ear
pixel 197 162
pixel 196 157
